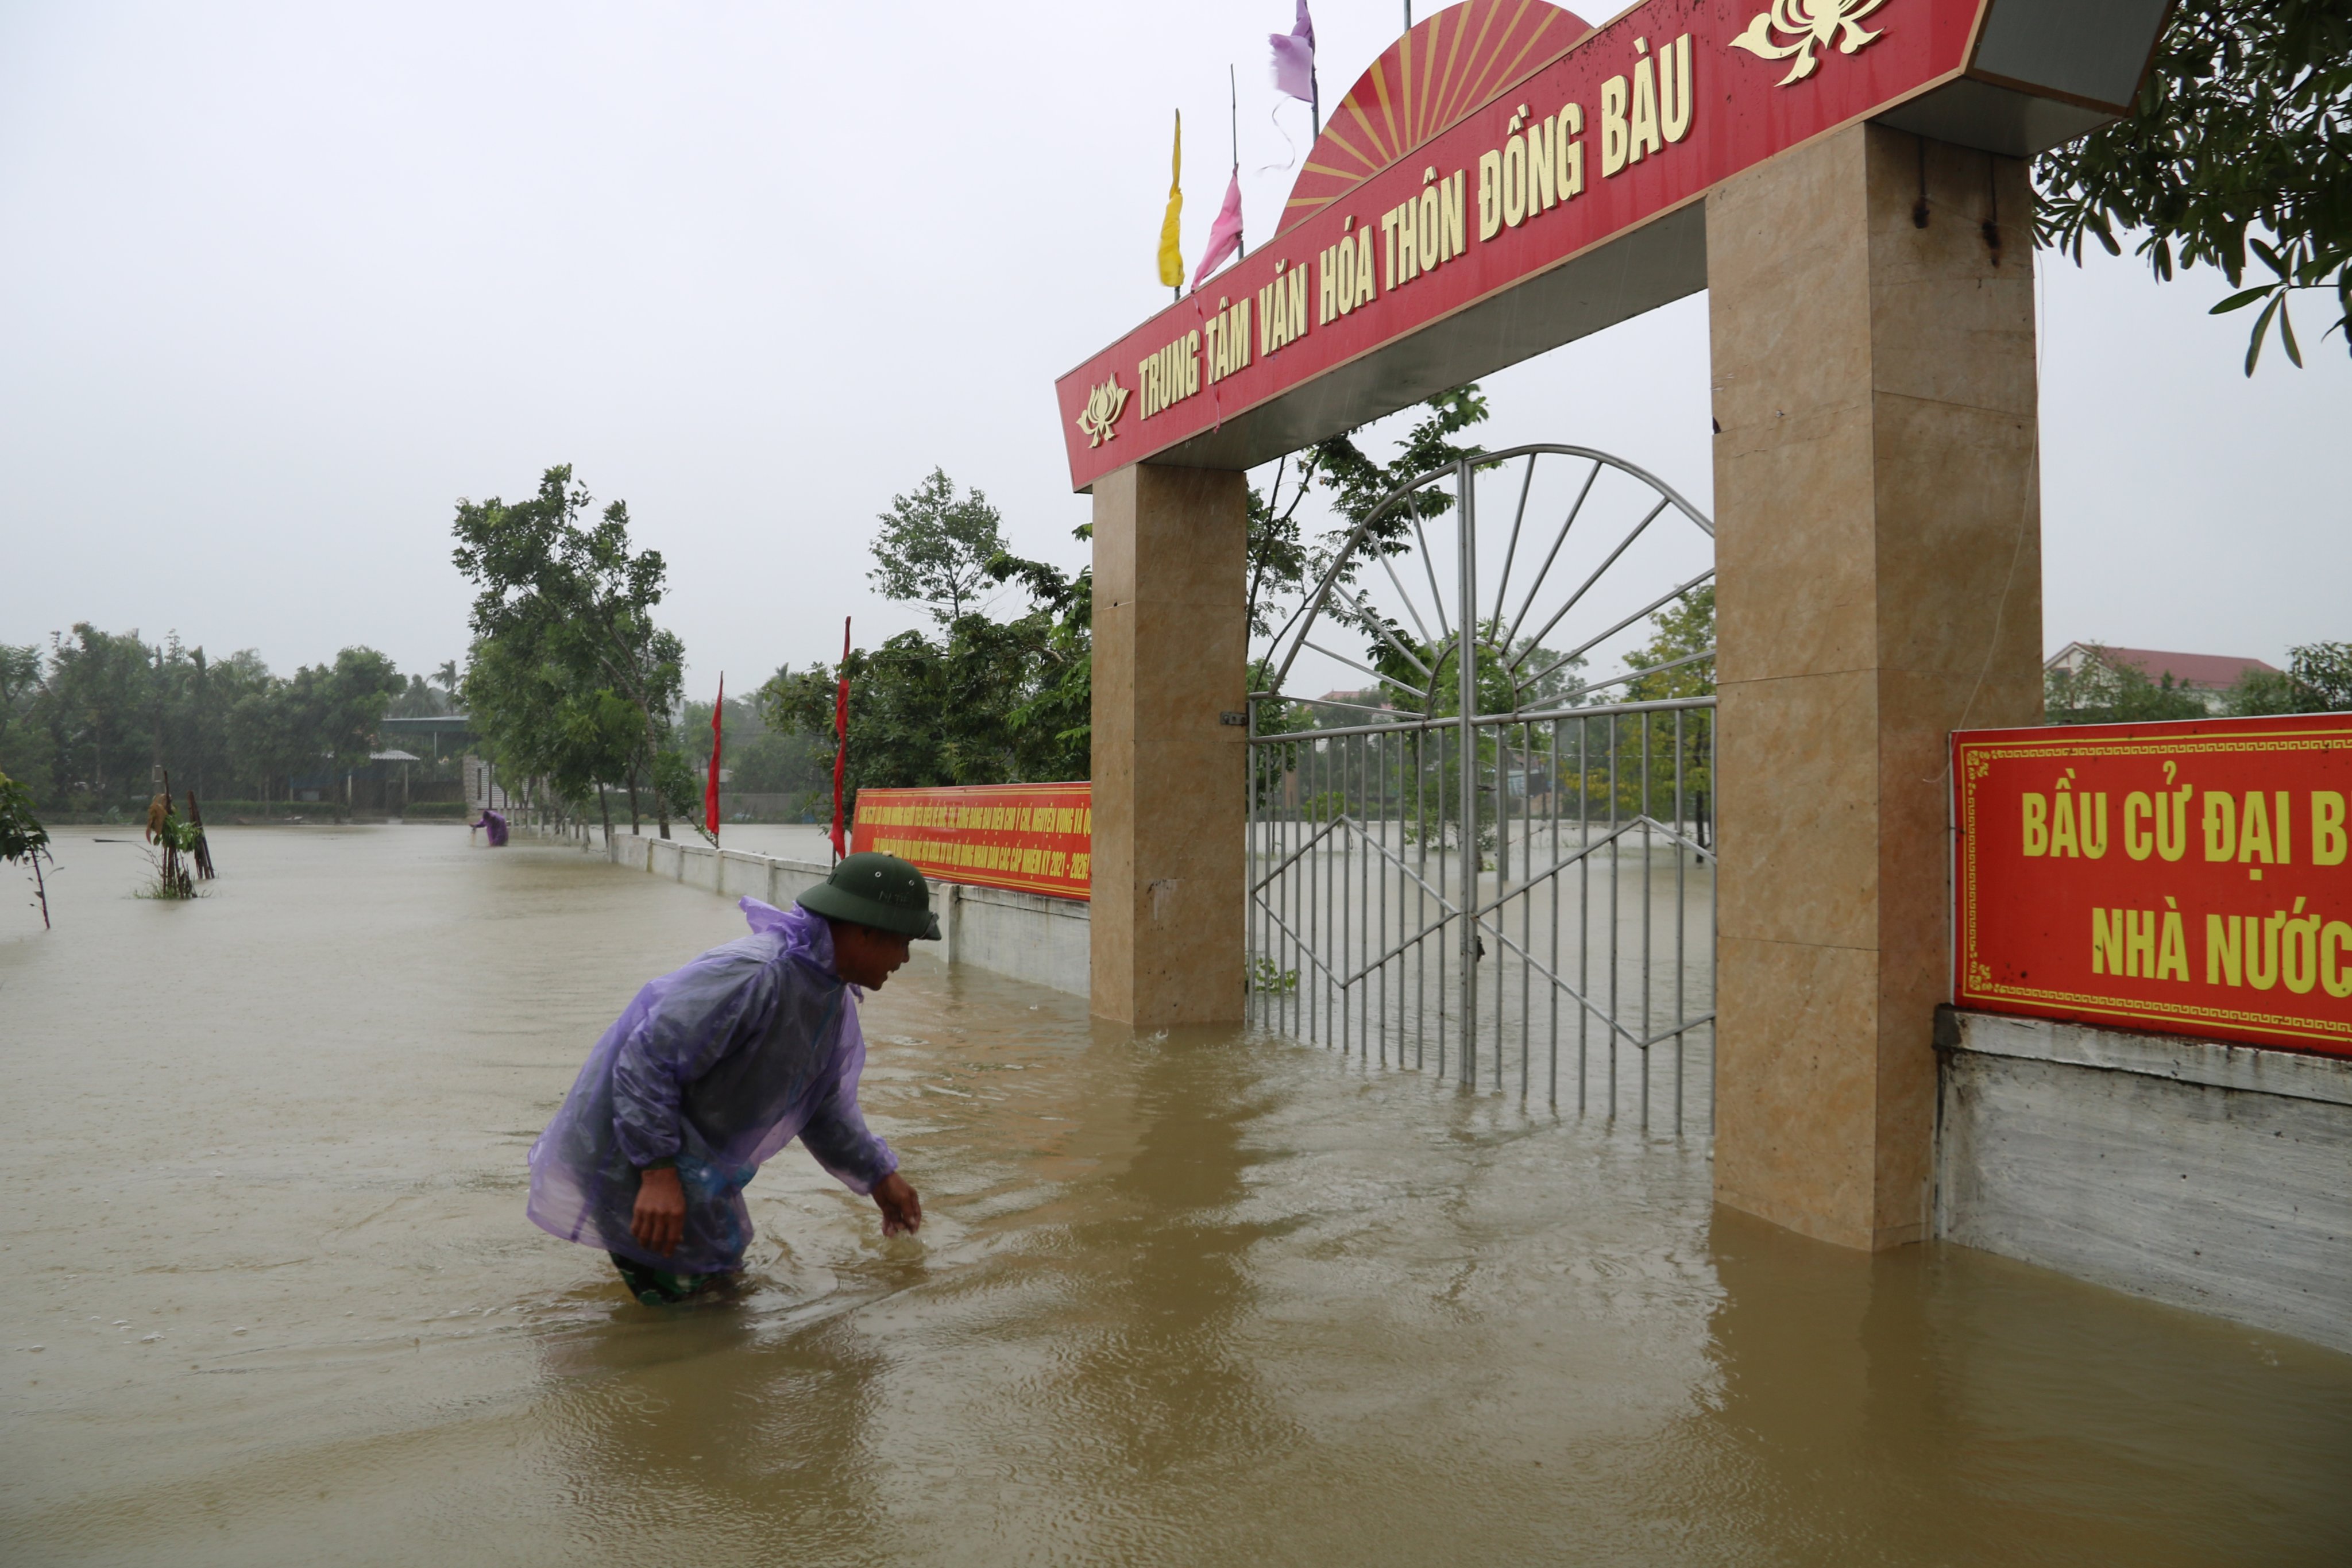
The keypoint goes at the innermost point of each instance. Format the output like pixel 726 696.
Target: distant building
pixel 2205 676
pixel 430 730
pixel 1369 696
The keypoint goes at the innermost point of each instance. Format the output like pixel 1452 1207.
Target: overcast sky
pixel 280 283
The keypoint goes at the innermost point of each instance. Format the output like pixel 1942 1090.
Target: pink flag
pixel 1225 234
pixel 1294 58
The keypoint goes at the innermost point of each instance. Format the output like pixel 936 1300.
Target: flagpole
pixel 711 787
pixel 1233 102
pixel 1175 182
pixel 840 739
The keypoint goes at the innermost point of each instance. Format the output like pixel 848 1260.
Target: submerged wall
pixel 2210 1176
pixel 1040 939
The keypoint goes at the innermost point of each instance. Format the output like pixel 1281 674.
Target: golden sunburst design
pixel 1449 64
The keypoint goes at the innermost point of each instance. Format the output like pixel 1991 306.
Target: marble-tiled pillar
pixel 1171 659
pixel 1878 550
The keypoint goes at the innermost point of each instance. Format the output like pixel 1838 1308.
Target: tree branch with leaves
pixel 2239 146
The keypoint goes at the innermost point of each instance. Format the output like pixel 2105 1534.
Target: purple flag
pixel 1225 234
pixel 1294 58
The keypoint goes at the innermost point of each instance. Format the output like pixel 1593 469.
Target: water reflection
pixel 1938 1403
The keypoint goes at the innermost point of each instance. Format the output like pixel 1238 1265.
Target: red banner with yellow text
pixel 2188 877
pixel 1033 838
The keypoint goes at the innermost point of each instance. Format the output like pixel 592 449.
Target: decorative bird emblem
pixel 1811 24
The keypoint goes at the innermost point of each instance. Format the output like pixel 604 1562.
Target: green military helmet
pixel 878 890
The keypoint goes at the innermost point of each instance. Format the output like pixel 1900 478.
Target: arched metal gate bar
pixel 1482 863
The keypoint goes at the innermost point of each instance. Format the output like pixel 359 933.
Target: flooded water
pixel 1198 1298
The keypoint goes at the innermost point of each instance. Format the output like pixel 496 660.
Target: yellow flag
pixel 1171 256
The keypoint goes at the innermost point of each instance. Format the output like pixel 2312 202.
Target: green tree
pixel 935 550
pixel 677 786
pixel 988 702
pixel 2318 680
pixel 421 699
pixel 2240 143
pixel 553 721
pixel 1277 553
pixel 339 708
pixel 96 704
pixel 1052 725
pixel 924 712
pixel 1681 650
pixel 24 748
pixel 2105 689
pixel 1356 485
pixel 23 840
pixel 1283 564
pixel 86 726
pixel 265 734
pixel 763 760
pixel 570 607
pixel 202 750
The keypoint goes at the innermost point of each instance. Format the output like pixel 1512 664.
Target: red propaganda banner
pixel 2188 877
pixel 1033 838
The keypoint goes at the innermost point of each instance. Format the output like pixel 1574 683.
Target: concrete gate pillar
pixel 1171 659
pixel 1878 554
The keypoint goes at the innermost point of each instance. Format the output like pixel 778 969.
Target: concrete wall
pixel 2213 1177
pixel 1039 939
pixel 1046 942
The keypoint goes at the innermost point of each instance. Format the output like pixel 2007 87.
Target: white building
pixel 2206 676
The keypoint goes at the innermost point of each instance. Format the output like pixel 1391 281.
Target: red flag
pixel 840 739
pixel 710 789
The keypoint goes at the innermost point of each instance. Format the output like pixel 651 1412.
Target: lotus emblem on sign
pixel 1809 24
pixel 1104 405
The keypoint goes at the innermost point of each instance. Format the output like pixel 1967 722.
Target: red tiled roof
pixel 2207 669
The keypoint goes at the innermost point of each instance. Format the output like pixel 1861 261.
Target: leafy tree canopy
pixel 935 550
pixel 2241 144
pixel 761 759
pixel 22 836
pixel 2318 680
pixel 986 702
pixel 1682 635
pixel 571 679
pixel 23 840
pixel 83 726
pixel 2105 689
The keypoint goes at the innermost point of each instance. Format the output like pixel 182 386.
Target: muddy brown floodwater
pixel 1205 1299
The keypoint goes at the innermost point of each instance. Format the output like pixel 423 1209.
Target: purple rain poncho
pixel 496 826
pixel 718 1065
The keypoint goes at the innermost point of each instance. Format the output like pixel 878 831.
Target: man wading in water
pixel 715 1067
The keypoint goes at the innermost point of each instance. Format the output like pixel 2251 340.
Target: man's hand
pixel 659 1221
pixel 902 1208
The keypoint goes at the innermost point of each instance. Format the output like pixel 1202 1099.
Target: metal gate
pixel 1482 863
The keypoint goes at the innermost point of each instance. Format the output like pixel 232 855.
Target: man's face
pixel 865 956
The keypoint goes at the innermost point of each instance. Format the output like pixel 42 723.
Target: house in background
pixel 1373 699
pixel 2207 677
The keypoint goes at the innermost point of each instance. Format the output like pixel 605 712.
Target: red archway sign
pixel 1505 179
